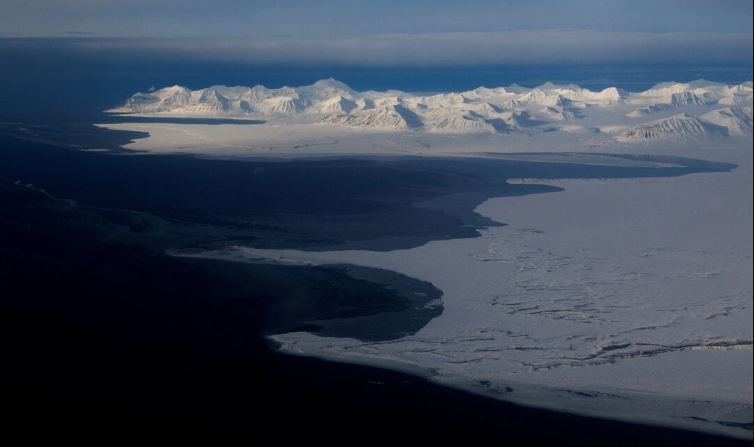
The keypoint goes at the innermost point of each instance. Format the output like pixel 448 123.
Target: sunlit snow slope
pixel 699 109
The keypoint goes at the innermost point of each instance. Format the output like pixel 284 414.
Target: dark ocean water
pixel 316 204
pixel 102 334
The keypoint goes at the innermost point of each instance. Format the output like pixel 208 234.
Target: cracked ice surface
pixel 630 298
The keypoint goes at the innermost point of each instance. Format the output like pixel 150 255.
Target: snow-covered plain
pixel 628 298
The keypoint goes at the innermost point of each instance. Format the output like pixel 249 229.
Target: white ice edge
pixel 685 239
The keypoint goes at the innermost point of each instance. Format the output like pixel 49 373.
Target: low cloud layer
pixel 394 32
pixel 513 47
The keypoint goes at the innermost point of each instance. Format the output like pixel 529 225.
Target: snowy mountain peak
pixel 326 88
pixel 685 98
pixel 681 126
pixel 737 120
pixel 380 118
pixel 331 83
pixel 613 93
pixel 547 86
pixel 484 110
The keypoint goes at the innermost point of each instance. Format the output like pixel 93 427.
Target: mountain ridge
pixel 481 110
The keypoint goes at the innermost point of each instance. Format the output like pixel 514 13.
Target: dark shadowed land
pixel 103 331
pixel 374 203
pixel 121 341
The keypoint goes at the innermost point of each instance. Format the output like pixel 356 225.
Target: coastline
pixel 523 230
pixel 695 394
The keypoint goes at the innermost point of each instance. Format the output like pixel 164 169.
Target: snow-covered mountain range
pixel 698 109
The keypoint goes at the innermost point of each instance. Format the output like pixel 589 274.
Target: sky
pixel 398 33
